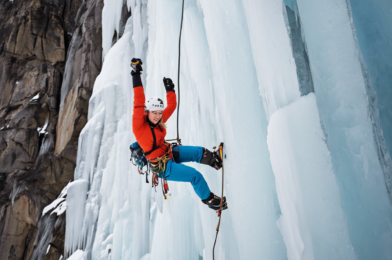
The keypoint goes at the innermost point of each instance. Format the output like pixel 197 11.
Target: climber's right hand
pixel 136 65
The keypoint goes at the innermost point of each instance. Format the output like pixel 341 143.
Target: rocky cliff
pixel 50 55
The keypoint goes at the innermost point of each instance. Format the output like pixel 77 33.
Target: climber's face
pixel 155 116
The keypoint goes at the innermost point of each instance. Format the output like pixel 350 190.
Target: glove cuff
pixel 170 89
pixel 136 80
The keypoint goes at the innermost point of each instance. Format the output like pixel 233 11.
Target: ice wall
pixel 307 189
pixel 340 87
pixel 316 190
pixel 372 21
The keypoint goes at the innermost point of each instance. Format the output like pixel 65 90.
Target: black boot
pixel 214 202
pixel 212 159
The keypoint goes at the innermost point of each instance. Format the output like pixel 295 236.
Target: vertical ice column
pixel 372 20
pixel 115 208
pixel 76 201
pixel 312 223
pixel 249 179
pixel 272 54
pixel 111 16
pixel 343 104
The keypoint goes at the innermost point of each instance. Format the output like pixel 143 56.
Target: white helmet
pixel 154 104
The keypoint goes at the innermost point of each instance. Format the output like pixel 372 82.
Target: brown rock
pixel 19 222
pixel 35 42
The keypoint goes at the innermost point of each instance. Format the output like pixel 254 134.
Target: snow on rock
pixel 64 192
pixel 312 220
pixel 60 209
pixel 58 204
pixel 52 205
pixel 35 98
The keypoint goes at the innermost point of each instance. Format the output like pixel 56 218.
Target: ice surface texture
pixel 316 190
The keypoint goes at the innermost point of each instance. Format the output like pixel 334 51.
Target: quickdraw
pixel 158 168
pixel 139 159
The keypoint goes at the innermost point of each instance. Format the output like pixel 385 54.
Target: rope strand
pixel 178 78
pixel 221 204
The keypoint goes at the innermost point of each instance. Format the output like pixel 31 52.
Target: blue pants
pixel 175 171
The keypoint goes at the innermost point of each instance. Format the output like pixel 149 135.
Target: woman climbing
pixel 148 125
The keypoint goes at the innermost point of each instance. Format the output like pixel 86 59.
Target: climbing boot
pixel 214 202
pixel 212 159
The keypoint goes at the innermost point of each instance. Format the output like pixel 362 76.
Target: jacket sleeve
pixel 171 105
pixel 138 107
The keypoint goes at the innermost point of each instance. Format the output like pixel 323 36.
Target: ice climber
pixel 148 125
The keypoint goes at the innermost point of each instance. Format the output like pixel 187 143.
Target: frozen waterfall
pixel 307 175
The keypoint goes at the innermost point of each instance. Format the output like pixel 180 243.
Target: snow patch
pixel 78 255
pixel 52 205
pixel 42 130
pixel 60 209
pixel 35 98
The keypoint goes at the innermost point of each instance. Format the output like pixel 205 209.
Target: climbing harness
pixel 219 212
pixel 158 168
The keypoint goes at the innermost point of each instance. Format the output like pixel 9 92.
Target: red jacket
pixel 141 128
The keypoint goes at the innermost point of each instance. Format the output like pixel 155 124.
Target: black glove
pixel 168 84
pixel 136 65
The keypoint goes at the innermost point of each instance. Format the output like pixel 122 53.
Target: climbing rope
pixel 221 204
pixel 178 79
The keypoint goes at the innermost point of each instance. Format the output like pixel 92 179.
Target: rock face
pixel 50 56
